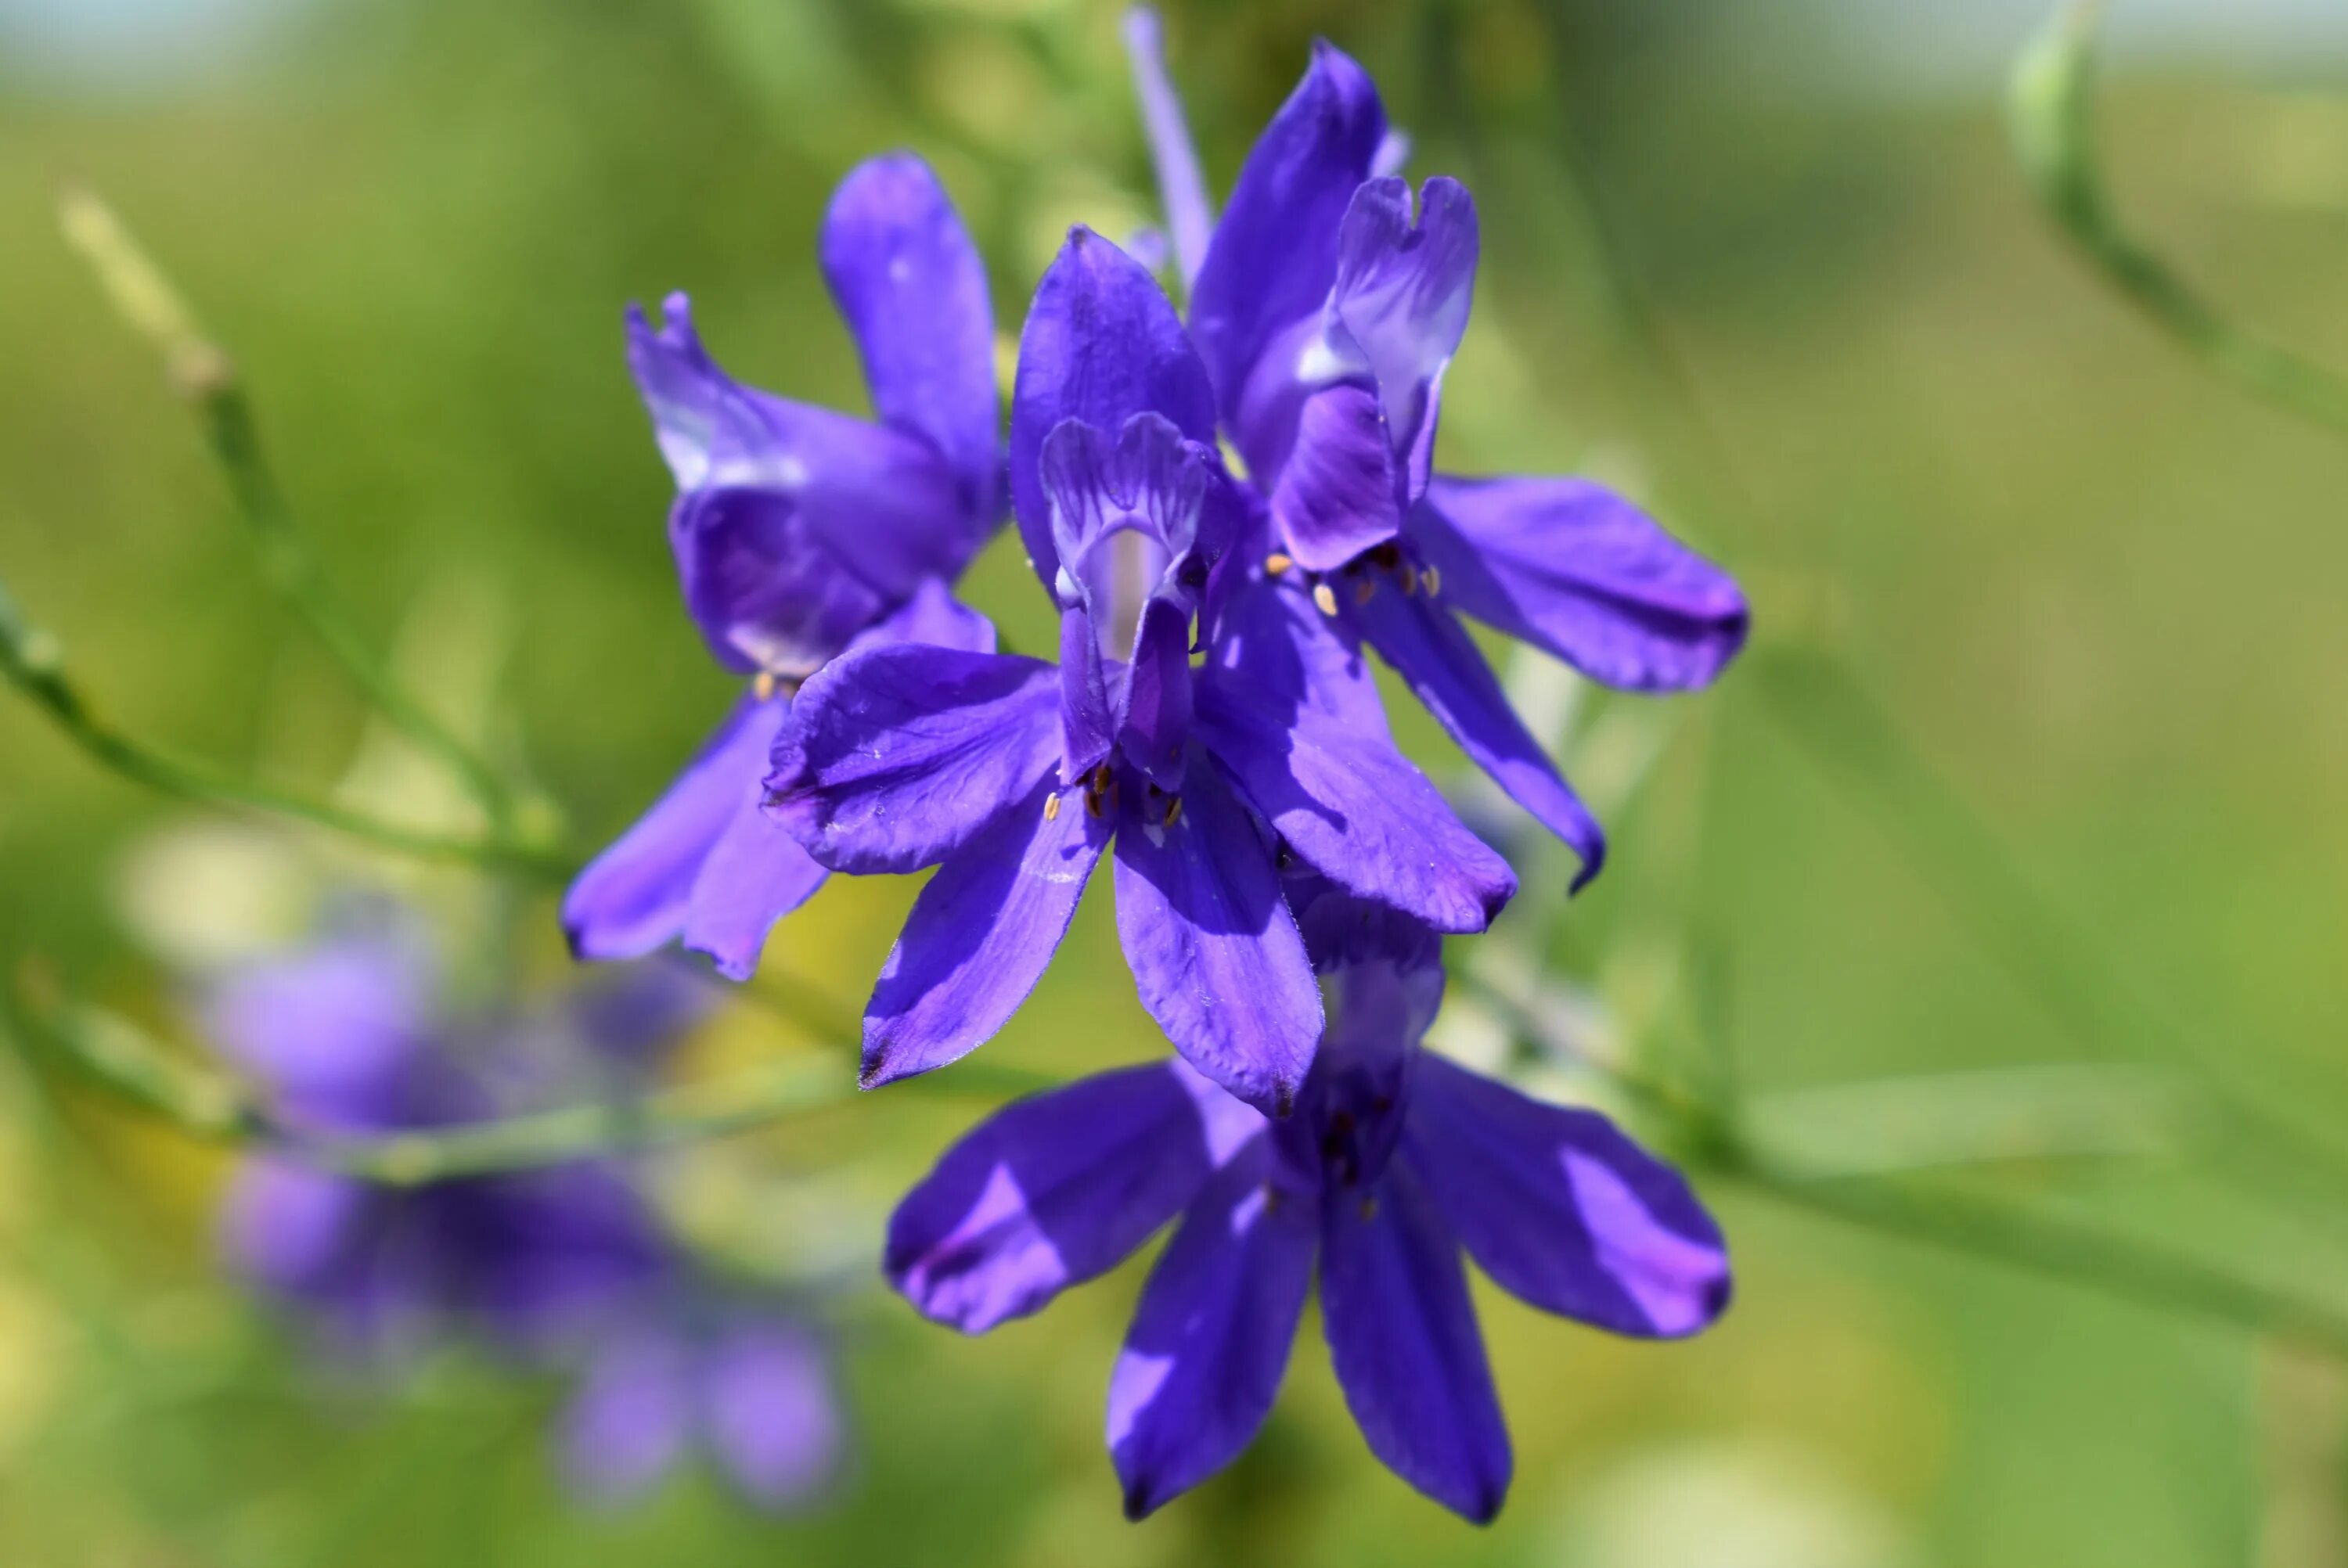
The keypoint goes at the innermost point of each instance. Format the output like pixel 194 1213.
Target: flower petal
pixel 771 1416
pixel 1214 953
pixel 1292 713
pixel 1402 1333
pixel 913 289
pixel 1444 668
pixel 1051 1191
pixel 1189 216
pixel 637 895
pixel 336 1031
pixel 1274 253
pixel 1210 1342
pixel 795 527
pixel 629 1419
pixel 896 756
pixel 980 935
pixel 1102 344
pixel 1339 490
pixel 1562 1210
pixel 756 875
pixel 1575 569
pixel 932 616
pixel 1401 297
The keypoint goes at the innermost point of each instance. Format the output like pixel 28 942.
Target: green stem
pixel 33 663
pixel 206 377
pixel 2050 107
pixel 114 1056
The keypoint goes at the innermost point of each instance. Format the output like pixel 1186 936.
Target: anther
pixel 1092 804
pixel 1173 811
pixel 1277 563
pixel 1324 598
pixel 1366 590
pixel 763 687
pixel 1052 806
pixel 1387 556
pixel 1434 581
pixel 1409 579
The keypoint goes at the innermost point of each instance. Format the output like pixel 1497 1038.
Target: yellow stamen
pixel 1409 579
pixel 1326 598
pixel 1173 811
pixel 1052 806
pixel 764 686
pixel 1277 563
pixel 1434 580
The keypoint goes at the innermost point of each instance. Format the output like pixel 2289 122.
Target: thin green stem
pixel 205 375
pixel 2051 113
pixel 33 663
pixel 114 1056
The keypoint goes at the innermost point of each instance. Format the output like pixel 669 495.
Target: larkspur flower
pixel 748 1384
pixel 1014 777
pixel 1327 313
pixel 343 1039
pixel 800 533
pixel 1395 1160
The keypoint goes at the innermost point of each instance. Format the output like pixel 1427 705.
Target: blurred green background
pixel 1766 265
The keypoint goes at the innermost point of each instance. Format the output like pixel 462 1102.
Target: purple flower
pixel 800 533
pixel 343 1040
pixel 1395 1160
pixel 753 1390
pixel 1014 777
pixel 1326 311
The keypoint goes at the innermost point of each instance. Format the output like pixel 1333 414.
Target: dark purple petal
pixel 1445 671
pixel 1401 297
pixel 541 1257
pixel 1339 490
pixel 1214 953
pixel 1350 1117
pixel 630 1417
pixel 896 756
pixel 1402 1333
pixel 1292 713
pixel 1052 1191
pixel 1562 1210
pixel 1275 255
pixel 1575 569
pixel 795 527
pixel 755 875
pixel 293 1229
pixel 1101 344
pixel 770 1413
pixel 1189 216
pixel 913 289
pixel 637 896
pixel 980 935
pixel 1210 1340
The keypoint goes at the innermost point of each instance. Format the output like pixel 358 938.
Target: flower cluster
pixel 568 1265
pixel 1229 509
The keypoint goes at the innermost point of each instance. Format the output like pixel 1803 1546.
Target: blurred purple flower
pixel 1326 313
pixel 1395 1160
pixel 800 533
pixel 753 1390
pixel 1014 776
pixel 344 1040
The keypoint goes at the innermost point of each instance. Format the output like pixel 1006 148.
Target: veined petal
pixel 1403 1335
pixel 932 616
pixel 1562 1210
pixel 1291 711
pixel 795 527
pixel 1049 1193
pixel 637 896
pixel 913 289
pixel 1102 344
pixel 1402 299
pixel 1339 490
pixel 897 756
pixel 769 1412
pixel 1214 952
pixel 754 876
pixel 1445 669
pixel 630 1419
pixel 980 935
pixel 1575 569
pixel 1275 253
pixel 1210 1342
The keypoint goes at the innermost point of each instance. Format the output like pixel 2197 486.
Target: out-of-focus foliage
pixel 1838 351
